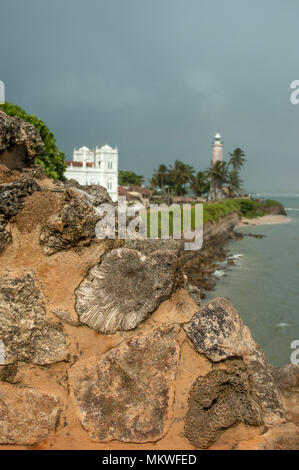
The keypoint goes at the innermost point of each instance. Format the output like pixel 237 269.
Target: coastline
pixel 200 267
pixel 264 220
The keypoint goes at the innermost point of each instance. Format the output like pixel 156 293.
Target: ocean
pixel 263 284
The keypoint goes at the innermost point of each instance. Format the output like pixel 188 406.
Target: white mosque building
pixel 95 166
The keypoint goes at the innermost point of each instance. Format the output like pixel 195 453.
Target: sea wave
pixel 219 273
pixel 282 325
pixel 236 256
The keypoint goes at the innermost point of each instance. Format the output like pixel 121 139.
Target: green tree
pixel 180 175
pixel 234 182
pixel 200 184
pixel 126 178
pixel 160 177
pixel 237 158
pixel 218 175
pixel 52 159
pixel 218 172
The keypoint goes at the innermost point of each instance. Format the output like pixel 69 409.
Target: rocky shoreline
pixel 200 266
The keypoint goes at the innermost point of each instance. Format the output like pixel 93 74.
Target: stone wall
pixel 105 349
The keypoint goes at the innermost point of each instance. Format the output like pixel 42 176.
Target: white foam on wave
pixel 219 273
pixel 236 256
pixel 282 325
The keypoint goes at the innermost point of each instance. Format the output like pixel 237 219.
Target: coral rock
pixel 216 402
pixel 74 224
pixel 125 288
pixel 218 332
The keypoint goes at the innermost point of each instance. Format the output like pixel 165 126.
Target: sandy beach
pixel 265 220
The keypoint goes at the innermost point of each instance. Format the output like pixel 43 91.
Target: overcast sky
pixel 158 78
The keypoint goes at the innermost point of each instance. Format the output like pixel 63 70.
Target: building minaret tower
pixel 217 148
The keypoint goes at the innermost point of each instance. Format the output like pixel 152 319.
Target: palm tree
pixel 160 177
pixel 234 182
pixel 237 158
pixel 201 184
pixel 180 175
pixel 218 174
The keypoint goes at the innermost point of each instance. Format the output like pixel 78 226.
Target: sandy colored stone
pixel 283 437
pixel 27 415
pixel 127 394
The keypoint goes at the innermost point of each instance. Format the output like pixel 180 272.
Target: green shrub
pixel 51 158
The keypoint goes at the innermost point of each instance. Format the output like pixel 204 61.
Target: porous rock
pixel 27 416
pixel 125 288
pixel 217 401
pixel 20 142
pixel 26 333
pixel 127 393
pixel 12 197
pixel 98 193
pixel 218 332
pixel 73 225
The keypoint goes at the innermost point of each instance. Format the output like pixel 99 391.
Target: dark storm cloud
pixel 158 78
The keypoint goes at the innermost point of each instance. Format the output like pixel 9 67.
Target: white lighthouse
pixel 216 183
pixel 217 149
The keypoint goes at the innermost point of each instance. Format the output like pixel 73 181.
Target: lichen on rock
pixel 125 288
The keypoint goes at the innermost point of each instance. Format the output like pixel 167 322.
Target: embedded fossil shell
pixel 125 288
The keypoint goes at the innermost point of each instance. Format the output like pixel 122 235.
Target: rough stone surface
pixel 125 288
pixel 216 402
pixel 73 225
pixel 12 196
pixel 26 333
pixel 26 416
pixel 20 142
pixel 283 437
pixel 218 332
pixel 287 377
pixel 264 389
pixel 98 193
pixel 127 394
pixel 146 246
